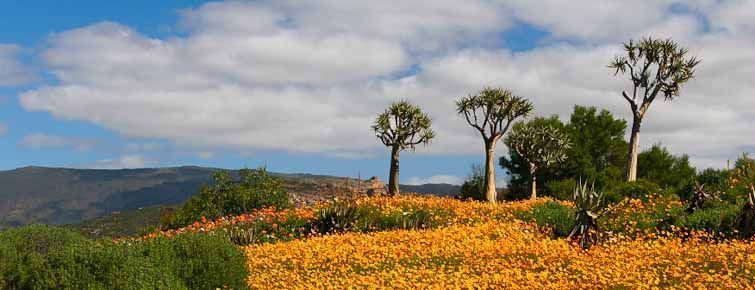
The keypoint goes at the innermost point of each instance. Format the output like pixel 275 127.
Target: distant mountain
pixel 65 196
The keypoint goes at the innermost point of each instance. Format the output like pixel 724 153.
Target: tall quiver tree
pixel 402 126
pixel 655 67
pixel 491 112
pixel 540 145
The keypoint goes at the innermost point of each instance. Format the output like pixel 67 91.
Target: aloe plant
pixel 588 204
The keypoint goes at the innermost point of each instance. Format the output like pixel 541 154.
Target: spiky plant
pixel 337 218
pixel 588 204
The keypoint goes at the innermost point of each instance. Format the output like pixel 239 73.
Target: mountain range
pixel 68 196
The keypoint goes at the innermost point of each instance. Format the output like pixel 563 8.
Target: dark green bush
pixel 43 257
pixel 474 187
pixel 558 217
pixel 254 190
pixel 561 189
pixel 201 261
pixel 719 218
pixel 636 189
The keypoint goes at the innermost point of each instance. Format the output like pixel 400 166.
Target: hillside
pixel 66 196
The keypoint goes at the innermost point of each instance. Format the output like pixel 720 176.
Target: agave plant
pixel 588 203
pixel 337 218
pixel 244 236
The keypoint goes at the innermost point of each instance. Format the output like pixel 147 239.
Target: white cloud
pixel 12 71
pixel 278 75
pixel 124 161
pixel 206 155
pixel 450 179
pixel 46 141
pixel 143 147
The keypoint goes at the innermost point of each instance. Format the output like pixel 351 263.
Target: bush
pixel 558 217
pixel 636 189
pixel 720 218
pixel 474 187
pixel 43 257
pixel 562 189
pixel 256 189
pixel 201 261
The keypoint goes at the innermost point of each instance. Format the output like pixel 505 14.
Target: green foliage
pixel 558 217
pixel 635 189
pixel 658 165
pixel 201 261
pixel 404 125
pixel 254 190
pixel 474 187
pixel 718 218
pixel 598 152
pixel 43 257
pixel 539 142
pixel 561 189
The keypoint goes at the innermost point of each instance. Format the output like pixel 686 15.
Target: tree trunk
pixel 393 179
pixel 490 191
pixel 533 181
pixel 634 146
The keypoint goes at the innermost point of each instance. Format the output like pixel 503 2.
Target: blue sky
pixel 103 84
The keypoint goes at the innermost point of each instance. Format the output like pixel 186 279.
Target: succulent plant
pixel 588 204
pixel 337 218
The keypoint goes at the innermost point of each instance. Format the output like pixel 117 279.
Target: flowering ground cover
pixel 480 245
pixel 499 255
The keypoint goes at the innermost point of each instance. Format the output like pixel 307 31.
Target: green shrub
pixel 561 189
pixel 44 257
pixel 719 218
pixel 254 190
pixel 558 217
pixel 474 187
pixel 201 261
pixel 636 189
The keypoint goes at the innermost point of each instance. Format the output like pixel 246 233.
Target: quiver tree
pixel 540 145
pixel 491 112
pixel 402 126
pixel 655 67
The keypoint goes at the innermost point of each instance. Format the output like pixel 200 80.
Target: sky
pixel 295 85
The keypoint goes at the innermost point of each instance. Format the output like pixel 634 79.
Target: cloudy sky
pixel 294 85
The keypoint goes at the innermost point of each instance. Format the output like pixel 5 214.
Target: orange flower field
pixel 476 251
